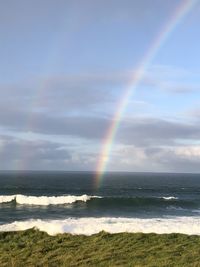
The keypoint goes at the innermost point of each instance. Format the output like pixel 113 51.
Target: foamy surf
pixel 89 226
pixel 45 200
pixel 169 198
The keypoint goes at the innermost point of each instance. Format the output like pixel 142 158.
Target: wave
pixel 169 198
pixel 106 202
pixel 5 199
pixel 45 200
pixel 91 225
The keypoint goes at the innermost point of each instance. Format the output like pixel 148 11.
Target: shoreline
pixel 36 248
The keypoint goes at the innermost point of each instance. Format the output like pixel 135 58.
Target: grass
pixel 35 248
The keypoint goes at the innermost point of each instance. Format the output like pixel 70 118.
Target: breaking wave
pixel 91 225
pixel 169 198
pixel 45 200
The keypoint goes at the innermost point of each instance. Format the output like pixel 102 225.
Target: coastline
pixel 36 248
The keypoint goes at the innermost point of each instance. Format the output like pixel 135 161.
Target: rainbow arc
pixel 177 17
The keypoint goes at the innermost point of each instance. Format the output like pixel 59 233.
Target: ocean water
pixel 58 202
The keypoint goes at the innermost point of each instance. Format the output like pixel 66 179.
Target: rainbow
pixel 178 15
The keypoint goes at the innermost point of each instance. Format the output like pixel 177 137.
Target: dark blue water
pixel 132 195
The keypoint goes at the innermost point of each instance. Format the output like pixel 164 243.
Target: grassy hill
pixel 35 248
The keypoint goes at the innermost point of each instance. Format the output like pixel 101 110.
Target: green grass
pixel 35 248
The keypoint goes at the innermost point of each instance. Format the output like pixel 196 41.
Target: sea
pixel 59 202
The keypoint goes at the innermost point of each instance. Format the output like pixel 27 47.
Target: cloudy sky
pixel 64 67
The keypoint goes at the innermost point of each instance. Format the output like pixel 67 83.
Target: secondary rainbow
pixel 180 12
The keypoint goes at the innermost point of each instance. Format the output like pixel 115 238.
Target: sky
pixel 65 65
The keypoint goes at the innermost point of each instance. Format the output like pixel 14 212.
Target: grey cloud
pixel 41 155
pixel 155 158
pixel 85 127
pixel 12 148
pixel 60 106
pixel 194 113
pixel 170 160
pixel 64 93
pixel 20 154
pixel 138 131
pixel 148 131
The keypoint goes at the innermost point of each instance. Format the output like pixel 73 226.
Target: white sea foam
pixel 169 198
pixel 4 199
pixel 45 200
pixel 88 226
